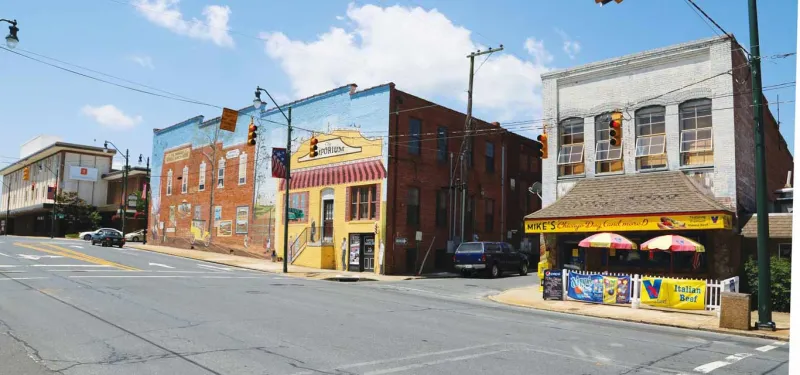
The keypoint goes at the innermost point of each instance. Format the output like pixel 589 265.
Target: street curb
pixel 737 333
pixel 204 260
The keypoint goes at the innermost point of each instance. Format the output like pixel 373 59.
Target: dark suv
pixel 492 257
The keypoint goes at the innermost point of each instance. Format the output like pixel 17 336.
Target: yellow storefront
pixel 338 203
pixel 639 211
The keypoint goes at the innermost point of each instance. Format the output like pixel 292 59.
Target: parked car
pixel 494 258
pixel 108 238
pixel 134 236
pixel 87 236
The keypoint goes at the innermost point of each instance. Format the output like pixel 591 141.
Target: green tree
pixel 78 214
pixel 780 283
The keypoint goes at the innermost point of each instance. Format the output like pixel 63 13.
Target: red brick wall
pixel 231 196
pixel 425 172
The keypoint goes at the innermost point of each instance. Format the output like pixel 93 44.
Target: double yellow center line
pixel 62 251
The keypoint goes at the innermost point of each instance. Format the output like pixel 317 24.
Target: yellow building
pixel 341 194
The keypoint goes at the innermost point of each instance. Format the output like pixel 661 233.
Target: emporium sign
pixel 630 223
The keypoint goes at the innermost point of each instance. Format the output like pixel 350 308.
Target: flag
pixel 51 192
pixel 279 162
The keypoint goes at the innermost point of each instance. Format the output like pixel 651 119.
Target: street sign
pixel 132 200
pixel 228 120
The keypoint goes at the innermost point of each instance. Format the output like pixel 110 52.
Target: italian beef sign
pixel 630 223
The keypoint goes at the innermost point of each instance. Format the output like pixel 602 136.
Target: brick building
pixel 382 175
pixel 684 108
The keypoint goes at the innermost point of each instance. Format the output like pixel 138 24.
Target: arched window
pixel 651 138
pixel 169 182
pixel 221 173
pixel 185 180
pixel 570 149
pixel 697 146
pixel 202 179
pixel 608 158
pixel 243 168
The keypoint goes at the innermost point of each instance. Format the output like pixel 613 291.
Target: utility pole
pixel 146 205
pixel 764 296
pixel 286 198
pixel 124 193
pixel 468 130
pixel 7 189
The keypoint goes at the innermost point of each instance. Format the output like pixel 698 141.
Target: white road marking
pixel 76 246
pixel 5 255
pixel 766 348
pixel 213 267
pixel 37 257
pixel 127 271
pixel 708 367
pixel 163 277
pixel 432 363
pixel 6 266
pixel 161 265
pixel 779 343
pixel 406 358
pixel 68 265
pixel 22 278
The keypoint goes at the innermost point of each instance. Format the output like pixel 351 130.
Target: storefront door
pixel 354 260
pixel 368 252
pixel 327 220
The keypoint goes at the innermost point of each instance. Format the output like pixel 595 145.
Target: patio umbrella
pixel 672 242
pixel 608 240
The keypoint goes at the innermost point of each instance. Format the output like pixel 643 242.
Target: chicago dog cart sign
pixel 629 223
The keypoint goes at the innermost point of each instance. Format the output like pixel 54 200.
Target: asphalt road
pixel 67 307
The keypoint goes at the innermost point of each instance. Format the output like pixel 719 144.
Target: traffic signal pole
pixel 764 295
pixel 286 198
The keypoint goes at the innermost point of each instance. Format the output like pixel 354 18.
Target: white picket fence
pixel 714 288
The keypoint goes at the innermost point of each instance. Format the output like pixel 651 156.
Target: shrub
pixel 71 235
pixel 780 282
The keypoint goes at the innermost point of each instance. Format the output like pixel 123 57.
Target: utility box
pixel 735 311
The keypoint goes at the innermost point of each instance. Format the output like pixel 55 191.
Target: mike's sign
pixel 630 223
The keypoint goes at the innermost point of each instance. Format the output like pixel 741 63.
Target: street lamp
pixel 124 203
pixel 257 103
pixel 11 40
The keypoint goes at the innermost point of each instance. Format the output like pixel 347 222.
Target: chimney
pixel 496 124
pixel 353 88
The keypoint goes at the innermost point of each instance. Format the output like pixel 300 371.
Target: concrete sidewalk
pixel 266 265
pixel 702 320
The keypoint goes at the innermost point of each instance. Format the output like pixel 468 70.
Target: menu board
pixel 553 285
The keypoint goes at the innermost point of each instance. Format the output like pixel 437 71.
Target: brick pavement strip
pixel 531 297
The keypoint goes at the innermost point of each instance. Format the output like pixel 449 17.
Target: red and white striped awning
pixel 341 174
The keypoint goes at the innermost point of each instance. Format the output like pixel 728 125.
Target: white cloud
pixel 143 61
pixel 571 47
pixel 166 13
pixel 422 51
pixel 111 116
pixel 537 50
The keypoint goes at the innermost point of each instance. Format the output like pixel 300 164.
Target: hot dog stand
pixel 639 207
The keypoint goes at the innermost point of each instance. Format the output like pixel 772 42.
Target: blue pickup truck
pixel 494 258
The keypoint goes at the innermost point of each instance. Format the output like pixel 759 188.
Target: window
pixel 412 206
pixel 608 158
pixel 441 208
pixel 696 137
pixel 414 133
pixel 299 201
pixel 221 173
pixel 785 251
pixel 489 215
pixel 489 157
pixel 364 202
pixel 242 168
pixel 185 179
pixel 202 180
pixel 198 213
pixel 169 182
pixel 441 144
pixel 651 139
pixel 570 153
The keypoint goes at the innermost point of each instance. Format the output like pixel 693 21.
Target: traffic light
pixel 252 134
pixel 26 174
pixel 615 123
pixel 542 148
pixel 312 152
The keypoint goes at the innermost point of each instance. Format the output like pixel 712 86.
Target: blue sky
pixel 297 48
